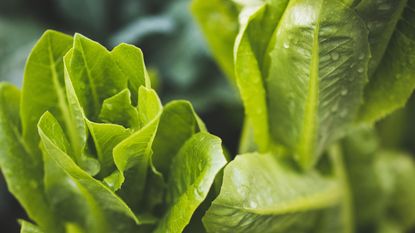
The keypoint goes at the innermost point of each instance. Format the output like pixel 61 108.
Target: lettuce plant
pixel 309 73
pixel 87 146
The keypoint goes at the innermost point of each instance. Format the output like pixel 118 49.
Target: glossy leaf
pixel 132 156
pixel 106 137
pixel 98 198
pixel 261 193
pixel 118 110
pixel 43 86
pixel 257 24
pixel 89 68
pixel 131 62
pixel 21 169
pixel 317 71
pixel 180 116
pixel 192 173
pixel 79 135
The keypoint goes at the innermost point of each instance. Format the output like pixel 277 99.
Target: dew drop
pixel 343 92
pixel 253 204
pixel 361 56
pixel 335 56
pixel 360 70
pixel 286 45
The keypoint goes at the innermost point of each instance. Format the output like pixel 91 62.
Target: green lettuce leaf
pixel 130 60
pixel 118 110
pixel 192 173
pixel 317 71
pixel 219 21
pixel 261 193
pixel 132 156
pixel 178 123
pixel 22 169
pixel 43 85
pixel 394 74
pixel 27 227
pixel 97 201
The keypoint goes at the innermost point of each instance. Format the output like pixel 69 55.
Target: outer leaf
pixel 132 156
pixel 192 174
pixel 118 110
pixel 43 86
pixel 258 22
pixel 394 75
pixel 28 227
pixel 263 194
pixel 218 20
pixel 22 170
pixel 178 123
pixel 81 211
pixel 94 75
pixel 117 214
pixel 131 62
pixel 318 62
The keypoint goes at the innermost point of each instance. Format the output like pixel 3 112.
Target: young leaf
pixel 394 74
pixel 192 173
pixel 132 156
pixel 263 194
pixel 219 22
pixel 317 71
pixel 106 137
pixel 117 109
pixel 131 62
pixel 22 170
pixel 43 85
pixel 100 199
pixel 94 75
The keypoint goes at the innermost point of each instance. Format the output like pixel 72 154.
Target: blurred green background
pixel 175 53
pixel 173 46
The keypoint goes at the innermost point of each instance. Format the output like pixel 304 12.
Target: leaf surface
pixel 263 194
pixel 318 61
pixel 219 22
pixel 43 86
pixel 192 173
pixel 105 206
pixel 21 169
pixel 393 81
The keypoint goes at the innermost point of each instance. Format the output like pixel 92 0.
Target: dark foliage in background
pixel 172 44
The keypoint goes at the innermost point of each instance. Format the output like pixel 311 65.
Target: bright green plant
pixel 86 146
pixel 309 73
